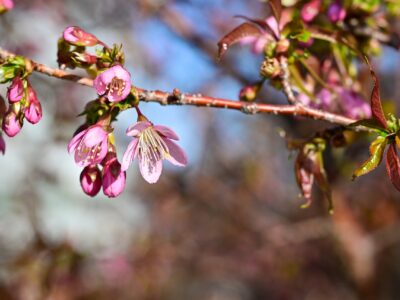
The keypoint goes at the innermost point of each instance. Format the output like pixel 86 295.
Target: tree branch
pixel 177 98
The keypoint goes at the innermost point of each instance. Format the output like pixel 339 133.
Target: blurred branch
pixel 177 98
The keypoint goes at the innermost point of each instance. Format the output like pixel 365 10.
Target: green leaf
pixel 376 153
pixel 369 123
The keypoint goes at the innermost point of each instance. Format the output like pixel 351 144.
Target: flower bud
pixel 282 46
pixel 91 180
pixel 249 92
pixel 11 124
pixel 78 37
pixel 6 5
pixel 16 90
pixel 310 10
pixel 336 12
pixel 33 113
pixel 113 177
pixel 270 68
pixel 84 58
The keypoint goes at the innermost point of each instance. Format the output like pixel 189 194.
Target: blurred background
pixel 227 227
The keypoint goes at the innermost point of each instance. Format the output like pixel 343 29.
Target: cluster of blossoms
pixel 93 145
pixel 298 36
pixel 22 104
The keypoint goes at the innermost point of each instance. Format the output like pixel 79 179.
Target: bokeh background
pixel 227 227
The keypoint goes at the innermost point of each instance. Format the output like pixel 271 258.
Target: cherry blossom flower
pixel 12 124
pixel 16 90
pixel 113 176
pixel 78 37
pixel 310 10
pixel 6 5
pixel 90 145
pixel 91 180
pixel 151 144
pixel 336 12
pixel 114 83
pixel 33 113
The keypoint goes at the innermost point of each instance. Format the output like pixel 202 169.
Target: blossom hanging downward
pixel 90 145
pixel 114 83
pixel 6 5
pixel 151 144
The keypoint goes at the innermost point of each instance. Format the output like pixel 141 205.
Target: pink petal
pixel 95 135
pixel 150 169
pixel 129 154
pixel 121 73
pixel 75 141
pixel 167 132
pixel 99 85
pixel 137 128
pixel 177 155
pixel 273 25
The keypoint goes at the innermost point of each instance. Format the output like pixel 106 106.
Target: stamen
pixel 116 85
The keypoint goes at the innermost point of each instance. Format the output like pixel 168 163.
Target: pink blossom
pixel 113 176
pixel 90 145
pixel 114 83
pixel 91 180
pixel 6 5
pixel 33 113
pixel 78 37
pixel 151 144
pixel 16 90
pixel 336 12
pixel 354 105
pixel 310 10
pixel 2 144
pixel 11 124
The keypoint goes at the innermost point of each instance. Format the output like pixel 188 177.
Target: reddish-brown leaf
pixel 240 32
pixel 276 7
pixel 393 166
pixel 376 104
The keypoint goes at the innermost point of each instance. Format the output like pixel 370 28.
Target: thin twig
pixel 174 98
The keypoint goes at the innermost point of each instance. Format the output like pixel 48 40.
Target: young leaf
pixel 370 123
pixel 376 150
pixel 276 7
pixel 376 104
pixel 393 166
pixel 240 32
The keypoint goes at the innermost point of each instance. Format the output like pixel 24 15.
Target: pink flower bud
pixel 2 144
pixel 113 177
pixel 78 37
pixel 33 113
pixel 84 58
pixel 336 12
pixel 310 10
pixel 16 90
pixel 6 5
pixel 11 124
pixel 91 180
